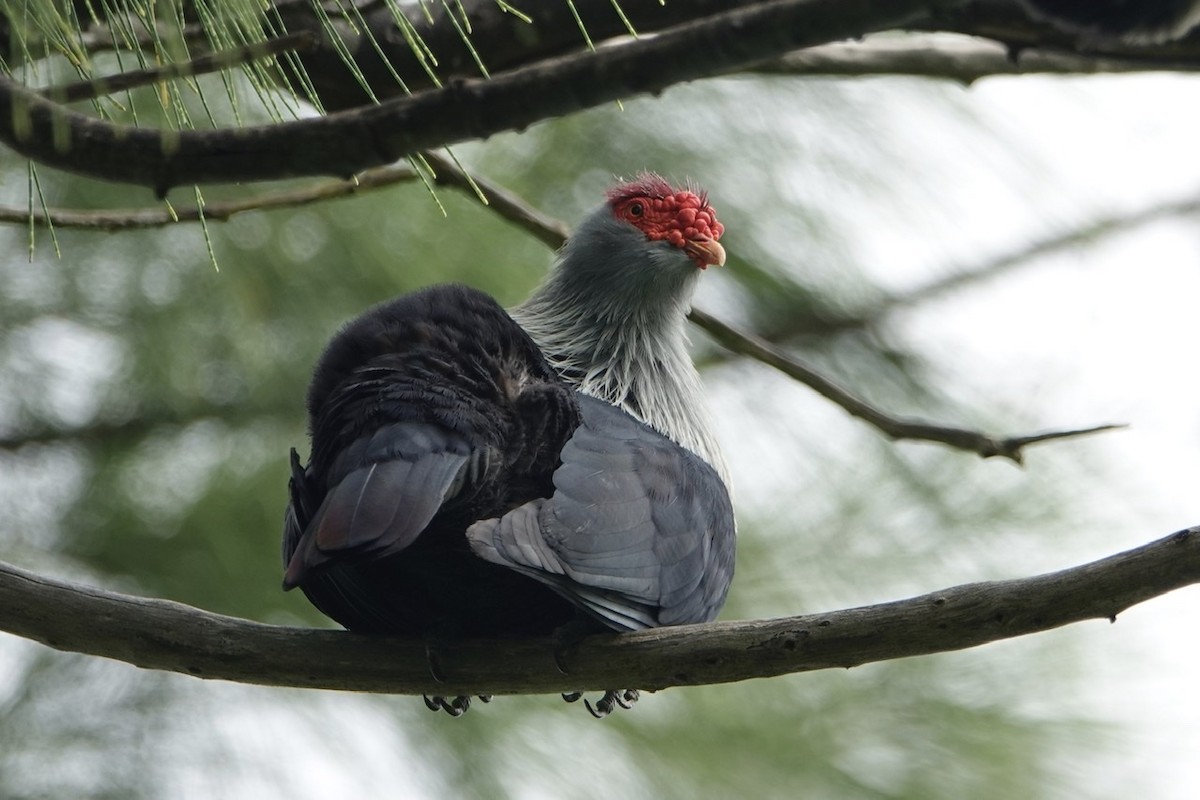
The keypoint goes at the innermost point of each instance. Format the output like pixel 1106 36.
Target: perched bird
pixel 1132 21
pixel 477 472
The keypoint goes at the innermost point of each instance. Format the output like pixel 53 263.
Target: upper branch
pixel 958 58
pixel 158 634
pixel 348 141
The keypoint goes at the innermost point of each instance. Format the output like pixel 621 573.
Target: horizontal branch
pixel 220 211
pixel 551 231
pixel 159 634
pixel 957 58
pixel 344 143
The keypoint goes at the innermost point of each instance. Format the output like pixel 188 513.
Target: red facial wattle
pixel 680 218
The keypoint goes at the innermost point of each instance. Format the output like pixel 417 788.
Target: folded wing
pixel 638 532
pixel 385 489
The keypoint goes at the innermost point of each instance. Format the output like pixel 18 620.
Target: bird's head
pixel 643 248
pixel 680 218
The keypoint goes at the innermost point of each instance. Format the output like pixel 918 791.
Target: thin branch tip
pixel 1013 447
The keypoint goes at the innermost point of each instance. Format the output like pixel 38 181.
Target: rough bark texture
pixel 344 143
pixel 159 634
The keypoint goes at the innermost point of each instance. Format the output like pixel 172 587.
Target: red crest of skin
pixel 680 217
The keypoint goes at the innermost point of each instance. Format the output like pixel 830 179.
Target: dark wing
pixel 639 532
pixel 385 489
pixel 436 403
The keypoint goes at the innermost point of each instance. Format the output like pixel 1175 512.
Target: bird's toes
pixel 454 706
pixel 612 699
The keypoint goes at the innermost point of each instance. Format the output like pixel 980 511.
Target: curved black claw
pixel 435 666
pixel 625 698
pixel 560 658
pixel 565 638
pixel 572 697
pixel 454 706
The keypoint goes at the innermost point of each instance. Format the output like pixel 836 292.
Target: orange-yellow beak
pixel 705 253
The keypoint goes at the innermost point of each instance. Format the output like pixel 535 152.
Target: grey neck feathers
pixel 611 319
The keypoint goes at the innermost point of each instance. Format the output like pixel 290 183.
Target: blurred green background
pixel 147 402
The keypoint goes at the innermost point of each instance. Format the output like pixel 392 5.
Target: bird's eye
pixel 636 210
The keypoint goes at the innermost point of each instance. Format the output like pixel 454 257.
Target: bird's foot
pixel 624 698
pixel 565 638
pixel 454 706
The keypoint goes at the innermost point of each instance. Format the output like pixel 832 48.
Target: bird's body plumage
pixel 473 474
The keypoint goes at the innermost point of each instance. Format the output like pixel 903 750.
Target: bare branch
pixel 346 142
pixel 956 58
pixel 220 211
pixel 159 634
pixel 896 427
pixel 499 39
pixel 203 65
pixel 381 53
pixel 503 202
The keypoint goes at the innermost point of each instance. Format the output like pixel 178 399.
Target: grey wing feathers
pixel 639 531
pixel 391 485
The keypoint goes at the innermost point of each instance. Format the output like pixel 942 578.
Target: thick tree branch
pixel 158 634
pixel 500 40
pixel 347 142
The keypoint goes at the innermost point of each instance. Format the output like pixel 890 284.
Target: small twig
pixel 507 204
pixel 123 219
pixel 303 41
pixel 895 427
